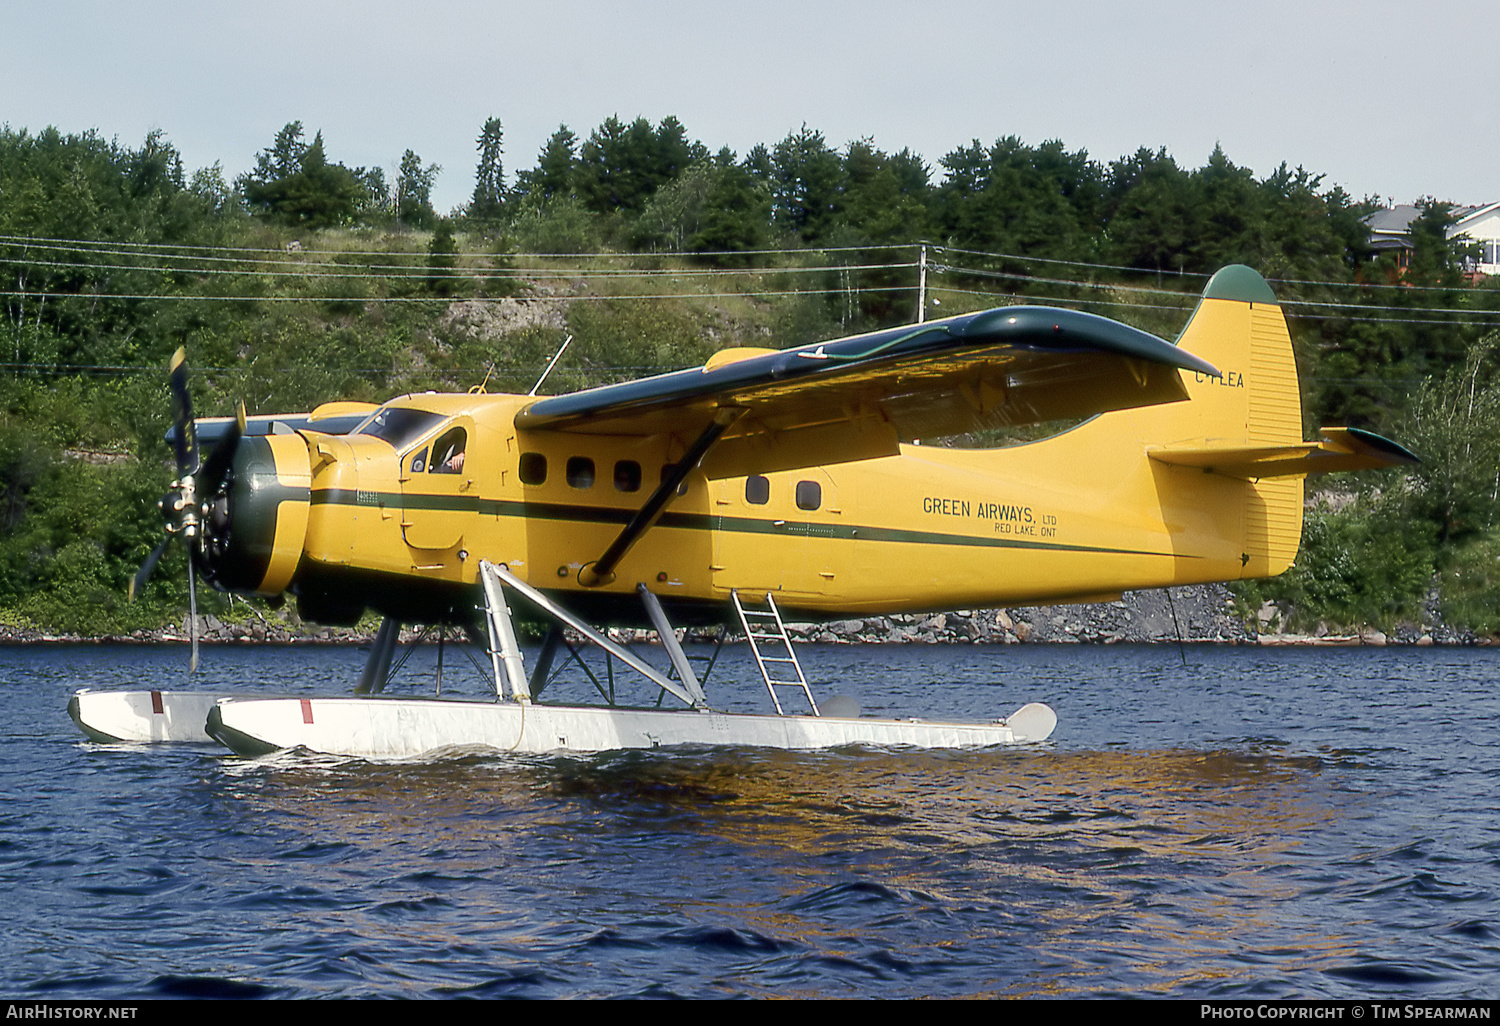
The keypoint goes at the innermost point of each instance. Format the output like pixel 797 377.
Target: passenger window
pixel 757 490
pixel 809 495
pixel 580 472
pixel 533 468
pixel 627 476
pixel 448 452
pixel 419 462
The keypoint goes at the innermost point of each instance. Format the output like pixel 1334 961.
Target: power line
pixel 941 247
pixel 602 254
pixel 25 294
pixel 421 271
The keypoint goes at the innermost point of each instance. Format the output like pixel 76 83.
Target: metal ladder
pixel 769 632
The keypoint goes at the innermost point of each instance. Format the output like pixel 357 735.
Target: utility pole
pixel 922 285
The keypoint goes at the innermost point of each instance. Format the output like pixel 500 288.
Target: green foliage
pixel 617 340
pixel 734 216
pixel 621 166
pixel 807 182
pixel 83 337
pixel 556 170
pixel 558 226
pixel 1362 565
pixel 1453 423
pixel 488 203
pixel 675 212
pixel 413 198
pixel 294 184
pixel 1471 585
pixel 442 260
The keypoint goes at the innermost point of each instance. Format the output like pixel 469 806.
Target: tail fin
pixel 1254 405
pixel 1239 328
pixel 1247 424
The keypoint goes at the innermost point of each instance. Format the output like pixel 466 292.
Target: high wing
pixel 860 397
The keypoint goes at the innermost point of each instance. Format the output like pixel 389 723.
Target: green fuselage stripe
pixel 572 513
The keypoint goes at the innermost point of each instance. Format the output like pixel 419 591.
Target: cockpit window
pixel 398 426
pixel 448 452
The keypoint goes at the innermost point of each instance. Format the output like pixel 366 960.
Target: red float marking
pixel 156 706
pixel 307 710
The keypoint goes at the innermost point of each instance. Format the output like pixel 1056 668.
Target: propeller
pixel 185 515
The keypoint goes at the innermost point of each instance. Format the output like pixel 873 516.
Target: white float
pixel 396 728
pixel 110 716
pixel 378 727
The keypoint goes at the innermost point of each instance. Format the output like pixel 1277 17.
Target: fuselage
pixel 397 515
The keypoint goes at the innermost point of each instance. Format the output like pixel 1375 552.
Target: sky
pixel 1385 99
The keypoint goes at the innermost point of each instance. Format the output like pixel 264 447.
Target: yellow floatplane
pixel 765 483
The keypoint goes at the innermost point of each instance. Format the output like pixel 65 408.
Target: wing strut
pixel 506 653
pixel 602 570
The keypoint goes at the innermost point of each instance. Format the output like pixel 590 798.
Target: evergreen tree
pixel 293 183
pixel 414 191
pixel 736 215
pixel 807 182
pixel 556 166
pixel 442 260
pixel 488 204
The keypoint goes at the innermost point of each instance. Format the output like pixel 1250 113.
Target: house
pixel 1389 233
pixel 1482 226
pixel 1389 230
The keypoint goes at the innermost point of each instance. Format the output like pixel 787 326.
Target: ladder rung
pixel 762 639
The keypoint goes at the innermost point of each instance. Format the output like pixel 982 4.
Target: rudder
pixel 1238 326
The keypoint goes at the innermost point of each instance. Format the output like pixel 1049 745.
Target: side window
pixel 580 472
pixel 757 490
pixel 809 495
pixel 448 452
pixel 533 468
pixel 627 476
pixel 419 462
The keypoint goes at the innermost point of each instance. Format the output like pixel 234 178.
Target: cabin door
pixel 753 542
pixel 439 497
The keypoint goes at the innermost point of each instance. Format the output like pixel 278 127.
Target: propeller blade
pixel 144 573
pixel 186 438
pixel 192 610
pixel 216 467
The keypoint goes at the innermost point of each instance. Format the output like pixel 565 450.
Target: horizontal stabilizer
pixel 1340 449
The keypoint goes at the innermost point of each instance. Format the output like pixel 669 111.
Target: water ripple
pixel 1252 826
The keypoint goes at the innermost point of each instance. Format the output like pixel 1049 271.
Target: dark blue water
pixel 1257 823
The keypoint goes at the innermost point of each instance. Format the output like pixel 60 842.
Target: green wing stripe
pixel 577 514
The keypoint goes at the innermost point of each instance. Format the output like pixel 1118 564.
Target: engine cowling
pixel 255 525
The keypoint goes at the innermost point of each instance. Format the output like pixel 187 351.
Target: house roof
pixel 1392 220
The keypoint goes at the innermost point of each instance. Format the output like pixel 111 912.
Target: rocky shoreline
pixel 1197 614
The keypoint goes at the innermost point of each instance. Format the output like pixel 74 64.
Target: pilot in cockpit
pixel 448 452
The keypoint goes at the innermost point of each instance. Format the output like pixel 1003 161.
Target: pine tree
pixel 488 204
pixel 414 191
